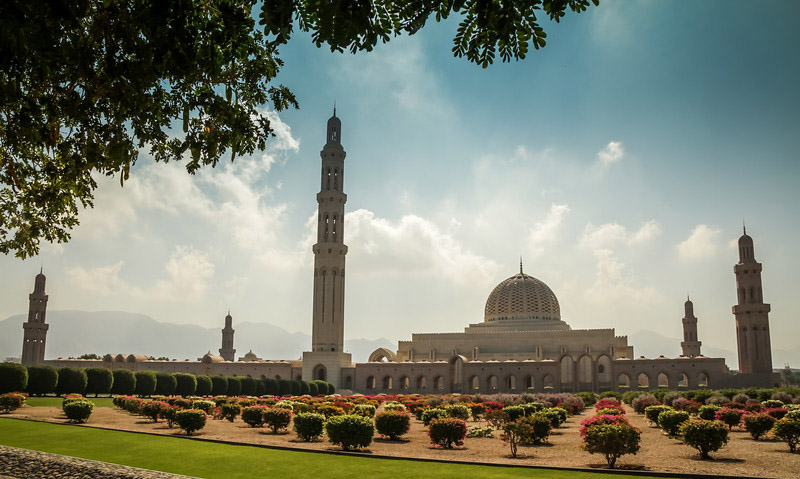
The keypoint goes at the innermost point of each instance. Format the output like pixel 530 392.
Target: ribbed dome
pixel 522 297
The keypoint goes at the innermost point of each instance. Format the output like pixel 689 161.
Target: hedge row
pixel 41 380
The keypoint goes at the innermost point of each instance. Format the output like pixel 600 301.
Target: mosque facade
pixel 522 344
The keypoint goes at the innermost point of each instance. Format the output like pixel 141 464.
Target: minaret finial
pixel 744 227
pixel 334 108
pixel 520 264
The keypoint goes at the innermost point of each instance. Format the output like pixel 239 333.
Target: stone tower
pixel 690 345
pixel 327 331
pixel 226 351
pixel 752 314
pixel 35 329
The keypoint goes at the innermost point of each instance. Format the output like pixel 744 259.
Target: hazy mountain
pixel 73 333
pixel 651 344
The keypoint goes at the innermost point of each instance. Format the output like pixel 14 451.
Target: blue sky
pixel 619 161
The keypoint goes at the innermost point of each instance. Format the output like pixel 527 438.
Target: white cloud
pixel 612 153
pixel 613 285
pixel 412 245
pixel 188 273
pixel 545 232
pixel 609 234
pixel 702 243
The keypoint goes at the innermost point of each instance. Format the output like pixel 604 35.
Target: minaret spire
pixel 520 264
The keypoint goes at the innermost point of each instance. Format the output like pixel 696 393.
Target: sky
pixel 619 161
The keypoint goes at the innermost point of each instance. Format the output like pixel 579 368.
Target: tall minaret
pixel 226 351
pixel 752 314
pixel 690 345
pixel 330 250
pixel 35 329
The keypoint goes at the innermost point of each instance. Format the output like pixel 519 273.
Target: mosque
pixel 522 344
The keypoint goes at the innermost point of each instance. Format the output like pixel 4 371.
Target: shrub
pixel 13 377
pixel 478 431
pixel 305 388
pixel 477 410
pixel 205 406
pixel 612 441
pixel 286 404
pixel 642 401
pixel 758 424
pixel 219 385
pixel 692 407
pixel 296 387
pixel 671 420
pixel 718 401
pixel 588 397
pixel 532 407
pixel 234 386
pixel 393 406
pixel 229 410
pixel 606 403
pixel 708 412
pixel 168 414
pixel 788 431
pixel 740 398
pixel 793 414
pixel 350 431
pixel 728 416
pixel 78 411
pixel 185 384
pixel 429 415
pixel 309 425
pixel 99 381
pixel 446 432
pixel 514 433
pixel 610 394
pixel 458 411
pixel 612 411
pixel 145 383
pixel 204 386
pixel 71 380
pixel 514 412
pixel 772 403
pixel 329 410
pixel 652 412
pixel 600 420
pixel 253 416
pixel 190 420
pixel 777 412
pixel 557 416
pixel 166 384
pixel 124 382
pixel 705 436
pixel 629 396
pixel 573 405
pixel 41 380
pixel 392 424
pixel 11 401
pixel 277 418
pixel 313 389
pixel 152 409
pixel 366 410
pixel 541 428
pixel 298 406
pixel 248 386
pixel 496 418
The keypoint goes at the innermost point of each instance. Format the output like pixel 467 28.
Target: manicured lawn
pixel 56 401
pixel 209 460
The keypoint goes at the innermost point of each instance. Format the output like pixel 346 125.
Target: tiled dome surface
pixel 522 297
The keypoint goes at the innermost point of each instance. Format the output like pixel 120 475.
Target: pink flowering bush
pixel 600 420
pixel 448 431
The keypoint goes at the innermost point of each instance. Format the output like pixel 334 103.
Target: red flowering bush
pixel 730 417
pixel 758 424
pixel 692 407
pixel 776 412
pixel 612 440
pixel 601 420
pixel 448 431
pixel 607 403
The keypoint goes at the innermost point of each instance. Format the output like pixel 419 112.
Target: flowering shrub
pixel 329 410
pixel 670 421
pixel 393 423
pixel 611 411
pixel 600 420
pixel 433 413
pixel 229 410
pixel 643 401
pixel 168 413
pixel 152 409
pixel 476 410
pixel 514 412
pixel 11 401
pixel 78 411
pixel 350 431
pixel 446 432
pixel 612 441
pixel 393 406
pixel 253 416
pixel 532 407
pixel 190 420
pixel 573 405
pixel 652 412
pixel 606 403
pixel 692 407
pixel 458 411
pixel 309 425
pixel 708 412
pixel 277 418
pixel 788 431
pixel 588 398
pixel 205 406
pixel 777 412
pixel 478 431
pixel 556 415
pixel 540 425
pixel 772 403
pixel 728 416
pixel 366 410
pixel 705 436
pixel 758 424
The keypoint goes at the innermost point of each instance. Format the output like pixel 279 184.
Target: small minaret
pixel 226 351
pixel 690 345
pixel 752 314
pixel 35 329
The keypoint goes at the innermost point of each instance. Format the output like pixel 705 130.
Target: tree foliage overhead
pixel 86 87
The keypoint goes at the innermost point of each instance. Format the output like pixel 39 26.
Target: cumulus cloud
pixel 188 272
pixel 614 285
pixel 702 243
pixel 610 234
pixel 612 153
pixel 545 232
pixel 412 245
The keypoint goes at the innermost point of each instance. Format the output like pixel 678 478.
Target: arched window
pixel 371 382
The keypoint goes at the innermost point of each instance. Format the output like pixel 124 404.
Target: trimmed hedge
pixel 392 424
pixel 71 381
pixel 705 436
pixel 146 382
pixel 42 380
pixel 124 382
pixel 204 386
pixel 13 377
pixel 185 384
pixel 253 416
pixel 219 385
pixel 99 381
pixel 670 421
pixel 234 386
pixel 271 386
pixel 350 431
pixel 248 386
pixel 309 425
pixel 165 384
pixel 190 420
pixel 78 411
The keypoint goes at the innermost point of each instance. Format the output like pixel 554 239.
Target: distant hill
pixel 73 333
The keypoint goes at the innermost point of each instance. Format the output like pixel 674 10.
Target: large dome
pixel 522 297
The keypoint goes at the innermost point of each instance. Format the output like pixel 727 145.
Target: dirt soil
pixel 742 456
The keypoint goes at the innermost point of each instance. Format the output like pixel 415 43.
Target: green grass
pixel 211 461
pixel 56 402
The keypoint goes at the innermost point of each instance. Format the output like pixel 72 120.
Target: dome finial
pixel 334 108
pixel 744 227
pixel 520 264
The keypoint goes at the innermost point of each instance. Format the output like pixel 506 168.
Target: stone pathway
pixel 26 464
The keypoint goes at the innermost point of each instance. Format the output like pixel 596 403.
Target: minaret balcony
pixel 329 247
pixel 331 195
pixel 751 308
